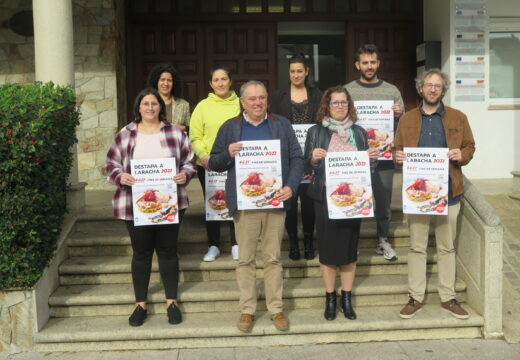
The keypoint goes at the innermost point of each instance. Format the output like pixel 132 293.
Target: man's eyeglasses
pixel 339 103
pixel 433 86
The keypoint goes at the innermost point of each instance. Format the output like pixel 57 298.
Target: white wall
pixel 495 131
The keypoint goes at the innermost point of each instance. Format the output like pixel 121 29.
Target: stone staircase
pixel 90 309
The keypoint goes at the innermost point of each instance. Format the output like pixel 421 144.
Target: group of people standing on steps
pixel 211 139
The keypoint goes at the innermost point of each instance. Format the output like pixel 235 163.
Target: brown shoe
pixel 453 307
pixel 245 323
pixel 280 321
pixel 410 309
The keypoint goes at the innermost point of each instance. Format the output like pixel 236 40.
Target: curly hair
pixel 155 75
pixel 323 108
pixel 139 98
pixel 419 80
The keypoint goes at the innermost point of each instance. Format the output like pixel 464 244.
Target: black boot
pixel 309 249
pixel 294 250
pixel 346 305
pixel 330 305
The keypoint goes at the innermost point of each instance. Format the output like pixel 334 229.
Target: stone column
pixel 515 191
pixel 54 61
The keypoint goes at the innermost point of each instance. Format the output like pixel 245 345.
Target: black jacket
pixel 319 137
pixel 280 102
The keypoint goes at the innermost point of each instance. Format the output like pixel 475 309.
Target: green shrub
pixel 37 130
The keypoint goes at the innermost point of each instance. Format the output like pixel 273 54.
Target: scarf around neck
pixel 342 128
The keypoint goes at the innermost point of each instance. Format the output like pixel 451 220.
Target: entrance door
pixel 247 49
pixel 396 44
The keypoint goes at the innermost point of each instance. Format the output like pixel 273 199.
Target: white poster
pixel 258 168
pixel 425 181
pixel 377 118
pixel 348 185
pixel 215 188
pixel 154 194
pixel 301 134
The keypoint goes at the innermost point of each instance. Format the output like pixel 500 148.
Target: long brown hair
pixel 324 110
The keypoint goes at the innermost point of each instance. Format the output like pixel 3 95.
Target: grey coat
pixel 291 154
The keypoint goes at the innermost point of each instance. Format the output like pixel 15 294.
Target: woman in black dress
pixel 337 239
pixel 298 103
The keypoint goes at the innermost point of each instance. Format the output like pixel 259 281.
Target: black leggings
pixel 162 239
pixel 213 227
pixel 307 206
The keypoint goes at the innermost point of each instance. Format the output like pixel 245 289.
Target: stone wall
pixel 17 319
pixel 95 75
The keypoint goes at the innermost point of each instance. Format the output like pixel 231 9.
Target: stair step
pixel 116 269
pixel 209 296
pixel 218 329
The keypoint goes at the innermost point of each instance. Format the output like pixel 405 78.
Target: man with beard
pixel 434 125
pixel 370 87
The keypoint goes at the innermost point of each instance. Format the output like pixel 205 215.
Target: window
pixel 504 61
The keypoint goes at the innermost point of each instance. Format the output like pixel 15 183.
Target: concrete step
pixel 218 329
pixel 116 269
pixel 211 296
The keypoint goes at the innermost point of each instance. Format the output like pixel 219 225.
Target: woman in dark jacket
pixel 298 103
pixel 337 239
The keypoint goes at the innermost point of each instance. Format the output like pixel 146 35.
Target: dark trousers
pixel 382 182
pixel 162 239
pixel 213 227
pixel 307 211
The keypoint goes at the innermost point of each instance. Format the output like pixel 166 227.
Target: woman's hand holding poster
pixel 258 168
pixel 154 194
pixel 425 181
pixel 348 185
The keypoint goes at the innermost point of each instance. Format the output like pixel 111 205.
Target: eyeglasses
pixel 342 103
pixel 432 86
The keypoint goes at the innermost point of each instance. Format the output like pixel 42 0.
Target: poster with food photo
pixel 425 181
pixel 258 168
pixel 348 185
pixel 300 130
pixel 215 187
pixel 154 194
pixel 377 118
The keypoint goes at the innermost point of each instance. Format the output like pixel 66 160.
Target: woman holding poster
pixel 337 239
pixel 150 136
pixel 298 103
pixel 209 114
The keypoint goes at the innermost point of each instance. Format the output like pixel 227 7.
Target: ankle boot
pixel 330 305
pixel 346 305
pixel 309 249
pixel 294 250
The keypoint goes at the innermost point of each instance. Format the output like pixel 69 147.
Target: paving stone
pixel 308 352
pixel 431 349
pixel 485 349
pixel 376 350
pixel 196 354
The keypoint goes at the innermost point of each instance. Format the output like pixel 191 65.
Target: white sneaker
pixel 234 252
pixel 212 254
pixel 385 249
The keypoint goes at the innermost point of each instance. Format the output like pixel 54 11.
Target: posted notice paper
pixel 215 187
pixel 258 168
pixel 377 118
pixel 425 181
pixel 154 194
pixel 348 185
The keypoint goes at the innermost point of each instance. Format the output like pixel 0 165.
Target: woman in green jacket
pixel 209 114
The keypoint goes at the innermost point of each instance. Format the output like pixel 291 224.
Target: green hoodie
pixel 206 119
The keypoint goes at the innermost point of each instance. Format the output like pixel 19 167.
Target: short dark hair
pixel 155 75
pixel 211 72
pixel 367 49
pixel 299 59
pixel 139 98
pixel 323 108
